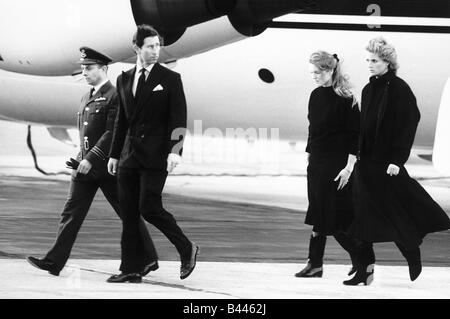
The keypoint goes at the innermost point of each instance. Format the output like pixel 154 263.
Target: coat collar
pixel 378 80
pixel 104 88
pixel 152 81
pixel 127 81
pixel 378 85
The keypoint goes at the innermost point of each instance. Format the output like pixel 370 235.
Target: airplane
pixel 261 82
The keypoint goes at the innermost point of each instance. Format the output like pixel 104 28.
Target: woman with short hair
pixel 390 206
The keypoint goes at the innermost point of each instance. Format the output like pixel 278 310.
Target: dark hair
pixel 144 31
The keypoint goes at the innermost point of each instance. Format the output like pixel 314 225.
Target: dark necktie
pixel 140 85
pixel 92 93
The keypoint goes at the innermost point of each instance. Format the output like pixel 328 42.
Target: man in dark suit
pixel 95 118
pixel 148 138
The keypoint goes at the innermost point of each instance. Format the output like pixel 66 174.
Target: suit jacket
pixel 95 124
pixel 397 119
pixel 148 129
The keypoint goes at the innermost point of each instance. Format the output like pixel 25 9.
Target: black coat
pixel 398 118
pixel 95 124
pixel 143 129
pixel 334 124
pixel 332 135
pixel 390 208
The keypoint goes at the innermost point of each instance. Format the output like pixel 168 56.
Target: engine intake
pixel 172 17
pixel 252 17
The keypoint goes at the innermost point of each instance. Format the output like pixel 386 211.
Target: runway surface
pixel 249 226
pixel 212 280
pixel 249 250
pixel 226 231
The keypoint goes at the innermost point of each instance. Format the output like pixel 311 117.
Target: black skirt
pixel 329 211
pixel 392 208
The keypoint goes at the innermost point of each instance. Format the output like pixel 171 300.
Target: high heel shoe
pixel 414 261
pixel 313 268
pixel 310 272
pixel 414 271
pixel 363 275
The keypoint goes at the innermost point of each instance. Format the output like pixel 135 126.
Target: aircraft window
pixel 266 76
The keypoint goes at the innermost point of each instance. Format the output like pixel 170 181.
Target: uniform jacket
pixel 148 129
pixel 398 118
pixel 95 123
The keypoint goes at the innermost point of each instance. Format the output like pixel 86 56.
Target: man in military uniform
pixel 95 123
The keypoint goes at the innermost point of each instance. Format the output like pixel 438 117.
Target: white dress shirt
pixel 138 74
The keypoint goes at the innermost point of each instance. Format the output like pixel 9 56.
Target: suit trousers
pixel 140 194
pixel 81 194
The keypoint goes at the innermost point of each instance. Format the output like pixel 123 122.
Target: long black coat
pixel 398 118
pixel 148 129
pixel 390 208
pixel 333 134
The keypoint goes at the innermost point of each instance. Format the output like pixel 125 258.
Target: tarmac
pixel 249 224
pixel 86 279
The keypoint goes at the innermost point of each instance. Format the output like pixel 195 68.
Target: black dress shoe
pixel 187 266
pixel 133 277
pixel 150 267
pixel 44 264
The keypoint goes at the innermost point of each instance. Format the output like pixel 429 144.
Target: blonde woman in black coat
pixel 333 117
pixel 390 206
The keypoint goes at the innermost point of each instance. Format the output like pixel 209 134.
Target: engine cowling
pixel 48 33
pixel 43 37
pixel 247 18
pixel 251 17
pixel 172 17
